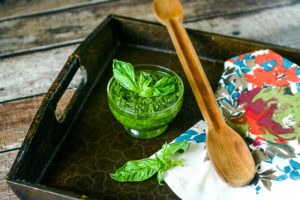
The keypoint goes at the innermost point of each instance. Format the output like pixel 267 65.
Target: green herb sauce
pixel 133 102
pixel 144 100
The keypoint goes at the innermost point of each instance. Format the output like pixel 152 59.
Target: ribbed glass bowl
pixel 147 124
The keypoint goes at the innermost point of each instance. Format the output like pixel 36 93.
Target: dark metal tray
pixel 71 158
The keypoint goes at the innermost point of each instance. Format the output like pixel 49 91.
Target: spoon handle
pixel 195 74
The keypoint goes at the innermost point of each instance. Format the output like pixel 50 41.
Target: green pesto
pixel 145 117
pixel 132 102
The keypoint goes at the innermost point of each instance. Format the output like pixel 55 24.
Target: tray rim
pixel 191 30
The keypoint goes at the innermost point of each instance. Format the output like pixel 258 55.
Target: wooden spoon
pixel 228 152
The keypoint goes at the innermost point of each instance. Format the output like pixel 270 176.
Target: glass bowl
pixel 146 124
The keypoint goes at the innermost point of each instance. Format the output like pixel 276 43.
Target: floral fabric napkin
pixel 259 97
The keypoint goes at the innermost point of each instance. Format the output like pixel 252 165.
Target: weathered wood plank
pixel 41 68
pixel 32 74
pixel 6 161
pixel 21 8
pixel 16 117
pixel 279 25
pixel 248 26
pixel 9 9
pixel 39 71
pixel 78 23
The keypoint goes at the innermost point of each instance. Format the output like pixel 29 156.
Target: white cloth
pixel 197 180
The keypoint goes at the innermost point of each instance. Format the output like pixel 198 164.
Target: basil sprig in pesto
pixel 145 85
pixel 140 170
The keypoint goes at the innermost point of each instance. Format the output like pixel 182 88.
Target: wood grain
pixel 278 25
pixel 16 117
pixel 32 74
pixel 77 23
pixel 6 161
pixel 39 75
pixel 20 8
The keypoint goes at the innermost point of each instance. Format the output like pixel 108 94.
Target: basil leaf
pixel 173 163
pixel 168 163
pixel 137 170
pixel 165 164
pixel 164 148
pixel 162 162
pixel 177 147
pixel 164 86
pixel 124 74
pixel 160 176
pixel 148 92
pixel 163 91
pixel 144 80
pixel 165 81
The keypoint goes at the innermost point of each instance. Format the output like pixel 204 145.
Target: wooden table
pixel 36 37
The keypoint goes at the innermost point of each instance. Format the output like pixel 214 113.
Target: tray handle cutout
pixel 63 105
pixel 63 92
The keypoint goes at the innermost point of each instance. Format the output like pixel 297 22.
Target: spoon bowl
pixel 227 150
pixel 164 10
pixel 230 156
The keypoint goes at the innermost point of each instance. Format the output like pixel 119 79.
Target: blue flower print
pixel 291 171
pixel 192 136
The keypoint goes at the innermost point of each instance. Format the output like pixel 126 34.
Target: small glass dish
pixel 146 124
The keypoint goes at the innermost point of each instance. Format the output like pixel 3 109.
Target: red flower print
pixel 276 75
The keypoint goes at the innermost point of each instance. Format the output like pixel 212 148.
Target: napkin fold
pixel 259 97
